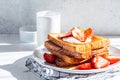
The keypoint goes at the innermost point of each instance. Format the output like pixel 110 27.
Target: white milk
pixel 47 22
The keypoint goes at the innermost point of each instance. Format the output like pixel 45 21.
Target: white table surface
pixel 13 54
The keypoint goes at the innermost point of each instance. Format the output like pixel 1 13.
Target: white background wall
pixel 102 15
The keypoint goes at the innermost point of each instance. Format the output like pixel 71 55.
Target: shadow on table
pixel 19 71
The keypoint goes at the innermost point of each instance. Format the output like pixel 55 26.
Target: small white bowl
pixel 28 34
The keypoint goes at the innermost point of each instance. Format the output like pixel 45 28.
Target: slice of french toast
pixel 60 63
pixel 53 47
pixel 65 58
pixel 50 45
pixel 71 60
pixel 64 61
pixel 96 43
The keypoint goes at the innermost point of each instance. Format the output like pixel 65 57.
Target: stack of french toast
pixel 76 46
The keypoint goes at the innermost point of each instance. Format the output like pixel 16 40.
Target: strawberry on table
pixel 50 58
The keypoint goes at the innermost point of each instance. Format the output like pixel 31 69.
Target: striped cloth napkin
pixel 49 74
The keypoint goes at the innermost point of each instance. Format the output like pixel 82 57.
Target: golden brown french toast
pixel 96 43
pixel 71 59
pixel 59 62
pixel 62 63
pixel 54 47
pixel 65 58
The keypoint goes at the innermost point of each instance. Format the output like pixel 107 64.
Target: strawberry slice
pixel 100 62
pixel 78 34
pixel 84 66
pixel 88 32
pixel 82 35
pixel 113 59
pixel 50 58
pixel 68 34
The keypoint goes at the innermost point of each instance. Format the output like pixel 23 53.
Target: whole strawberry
pixel 50 58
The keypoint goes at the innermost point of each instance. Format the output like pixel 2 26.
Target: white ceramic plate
pixel 38 56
